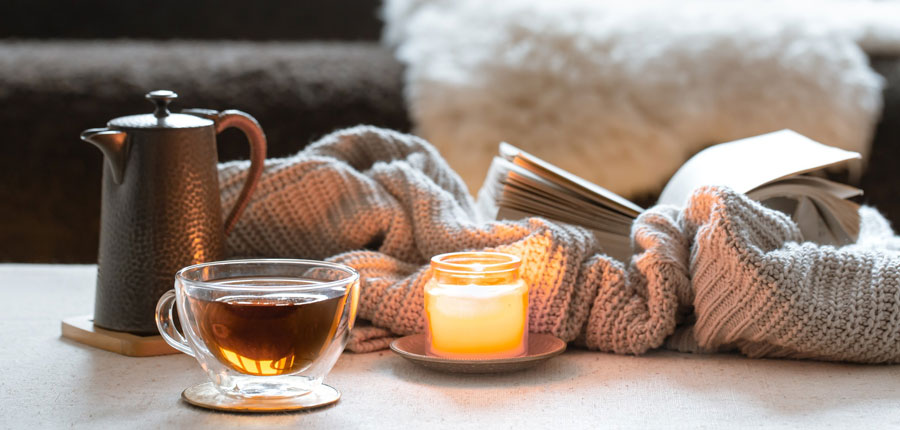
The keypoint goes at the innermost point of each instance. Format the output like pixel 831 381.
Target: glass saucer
pixel 206 396
pixel 541 347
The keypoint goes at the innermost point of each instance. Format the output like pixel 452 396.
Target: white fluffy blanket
pixel 622 94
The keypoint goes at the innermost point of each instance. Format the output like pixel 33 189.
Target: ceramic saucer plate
pixel 541 347
pixel 206 396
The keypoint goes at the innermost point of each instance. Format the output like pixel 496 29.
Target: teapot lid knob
pixel 161 118
pixel 161 98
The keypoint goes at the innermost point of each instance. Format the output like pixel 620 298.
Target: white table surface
pixel 50 382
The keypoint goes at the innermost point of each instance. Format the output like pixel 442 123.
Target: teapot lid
pixel 161 118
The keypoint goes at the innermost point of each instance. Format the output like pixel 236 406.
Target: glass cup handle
pixel 166 323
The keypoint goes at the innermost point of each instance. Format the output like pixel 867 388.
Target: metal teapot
pixel 161 207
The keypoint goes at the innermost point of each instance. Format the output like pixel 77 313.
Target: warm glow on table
pixel 478 310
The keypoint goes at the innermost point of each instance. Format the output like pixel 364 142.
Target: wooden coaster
pixel 541 347
pixel 206 396
pixel 81 329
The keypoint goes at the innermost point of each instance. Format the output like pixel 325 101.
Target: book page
pixel 578 185
pixel 837 189
pixel 535 189
pixel 746 164
pixel 513 186
pixel 822 213
pixel 617 245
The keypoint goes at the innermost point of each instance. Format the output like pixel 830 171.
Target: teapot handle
pixel 247 124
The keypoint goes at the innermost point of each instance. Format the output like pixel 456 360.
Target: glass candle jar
pixel 476 306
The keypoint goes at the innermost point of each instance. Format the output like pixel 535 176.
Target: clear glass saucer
pixel 206 396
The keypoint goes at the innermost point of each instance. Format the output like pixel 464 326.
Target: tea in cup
pixel 262 329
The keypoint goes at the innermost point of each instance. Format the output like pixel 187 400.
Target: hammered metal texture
pixel 165 215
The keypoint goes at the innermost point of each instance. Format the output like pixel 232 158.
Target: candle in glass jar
pixel 476 306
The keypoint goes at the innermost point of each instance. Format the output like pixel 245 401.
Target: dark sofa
pixel 65 68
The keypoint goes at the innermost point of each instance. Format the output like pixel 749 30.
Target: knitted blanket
pixel 723 272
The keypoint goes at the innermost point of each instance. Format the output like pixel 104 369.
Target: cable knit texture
pixel 721 273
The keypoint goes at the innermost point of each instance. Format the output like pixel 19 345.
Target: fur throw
pixel 622 93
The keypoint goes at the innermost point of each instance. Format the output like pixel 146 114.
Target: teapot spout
pixel 112 143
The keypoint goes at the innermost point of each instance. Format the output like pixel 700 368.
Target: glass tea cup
pixel 266 328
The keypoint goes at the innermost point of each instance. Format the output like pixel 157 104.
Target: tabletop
pixel 50 382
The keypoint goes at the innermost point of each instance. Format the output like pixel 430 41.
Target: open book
pixel 770 168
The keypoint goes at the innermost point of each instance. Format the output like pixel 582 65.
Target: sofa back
pixel 193 19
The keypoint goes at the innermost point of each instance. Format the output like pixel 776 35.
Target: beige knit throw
pixel 721 273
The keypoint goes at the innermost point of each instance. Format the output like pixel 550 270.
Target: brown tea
pixel 262 335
